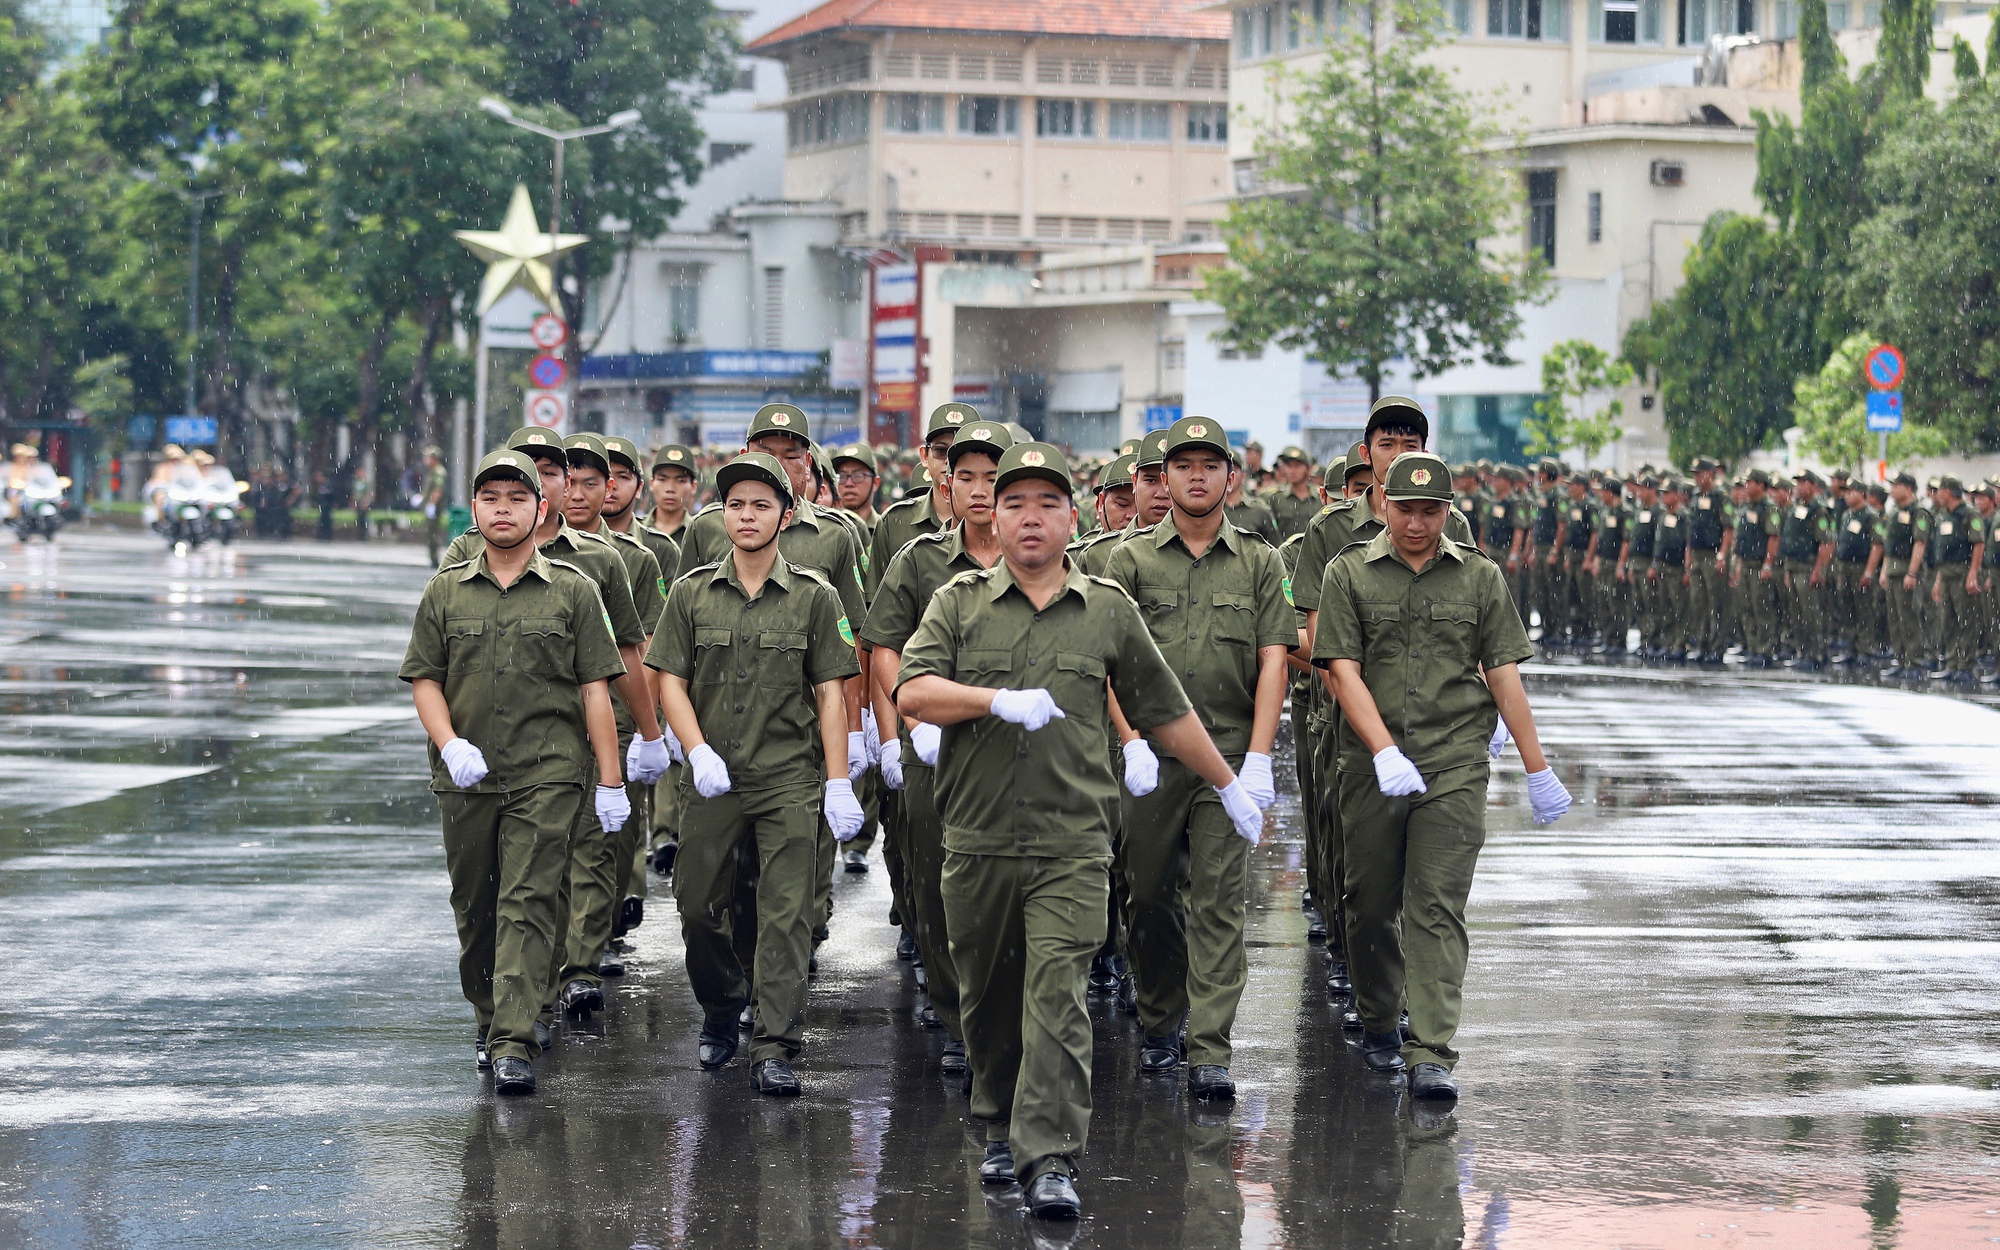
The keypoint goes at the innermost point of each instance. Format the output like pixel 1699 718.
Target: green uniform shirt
pixel 1897 530
pixel 1708 516
pixel 1473 508
pixel 1581 517
pixel 1642 530
pixel 1499 518
pixel 666 552
pixel 1857 534
pixel 924 564
pixel 1611 524
pixel 1337 526
pixel 1288 553
pixel 1255 515
pixel 1670 537
pixel 1952 535
pixel 1802 528
pixel 1002 790
pixel 896 527
pixel 1421 639
pixel 1208 616
pixel 1291 513
pixel 1755 522
pixel 1548 515
pixel 510 662
pixel 589 554
pixel 642 571
pixel 1094 553
pixel 814 541
pixel 751 664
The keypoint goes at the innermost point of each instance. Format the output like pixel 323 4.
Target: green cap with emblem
pixel 860 453
pixel 1295 453
pixel 623 451
pixel 1807 475
pixel 586 451
pixel 754 466
pixel 1759 476
pixel 990 438
pixel 1130 447
pixel 946 418
pixel 1033 460
pixel 1191 433
pixel 780 419
pixel 1117 473
pixel 1705 464
pixel 674 456
pixel 1418 475
pixel 538 442
pixel 509 464
pixel 1397 410
pixel 1950 482
pixel 1152 450
pixel 1336 473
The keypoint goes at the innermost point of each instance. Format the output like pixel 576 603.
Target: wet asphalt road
pixel 1745 995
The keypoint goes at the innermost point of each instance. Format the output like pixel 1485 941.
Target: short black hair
pixel 1399 428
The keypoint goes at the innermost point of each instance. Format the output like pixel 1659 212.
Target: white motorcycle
pixel 38 509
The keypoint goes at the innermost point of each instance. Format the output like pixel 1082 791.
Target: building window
pixel 1461 16
pixel 1542 214
pixel 1704 19
pixel 1836 15
pixel 1597 216
pixel 935 65
pixel 1066 119
pixel 900 65
pixel 1787 19
pixel 1628 21
pixel 822 123
pixel 1122 73
pixel 913 114
pixel 1006 69
pixel 1208 123
pixel 1525 19
pixel 746 79
pixel 774 308
pixel 683 303
pixel 723 153
pixel 989 115
pixel 1149 123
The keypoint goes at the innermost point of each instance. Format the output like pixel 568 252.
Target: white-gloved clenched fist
pixel 891 763
pixel 711 775
pixel 1395 774
pixel 465 762
pixel 1030 709
pixel 1257 781
pixel 871 734
pixel 614 808
pixel 1500 740
pixel 1142 768
pixel 1549 797
pixel 843 810
pixel 646 762
pixel 926 738
pixel 857 755
pixel 1243 811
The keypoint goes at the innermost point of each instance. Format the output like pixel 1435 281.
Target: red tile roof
pixel 1130 19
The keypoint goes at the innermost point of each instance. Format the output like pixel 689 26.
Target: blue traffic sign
pixel 191 431
pixel 1884 368
pixel 1885 412
pixel 1161 416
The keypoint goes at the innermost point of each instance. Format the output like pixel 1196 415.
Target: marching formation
pixel 1052 694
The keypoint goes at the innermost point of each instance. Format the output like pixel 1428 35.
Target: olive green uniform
pixel 666 805
pixel 1292 513
pixel 1422 638
pixel 1708 586
pixel 751 665
pixel 1577 611
pixel 1901 528
pixel 924 564
pixel 1755 598
pixel 1303 742
pixel 1671 626
pixel 1499 520
pixel 626 848
pixel 1254 514
pixel 1611 600
pixel 1953 535
pixel 1545 579
pixel 511 662
pixel 1801 530
pixel 1852 600
pixel 1028 838
pixel 1642 535
pixel 667 553
pixel 1185 867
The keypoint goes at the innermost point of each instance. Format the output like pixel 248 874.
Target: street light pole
pixel 195 200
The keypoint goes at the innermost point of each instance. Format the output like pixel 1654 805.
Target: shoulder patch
pixel 846 630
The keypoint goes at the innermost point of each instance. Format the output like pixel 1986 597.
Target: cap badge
pixel 981 433
pixel 1033 459
pixel 1197 431
pixel 675 454
pixel 1420 477
pixel 781 418
pixel 537 439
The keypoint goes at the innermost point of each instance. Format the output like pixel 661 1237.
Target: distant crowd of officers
pixel 1052 694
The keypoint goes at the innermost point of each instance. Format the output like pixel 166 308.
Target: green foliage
pixel 1384 187
pixel 1573 371
pixel 1831 407
pixel 102 389
pixel 1726 348
pixel 1964 62
pixel 1903 56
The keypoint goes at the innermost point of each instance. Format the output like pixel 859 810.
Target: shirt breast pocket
pixel 1452 626
pixel 781 659
pixel 1235 618
pixel 1079 681
pixel 984 666
pixel 465 645
pixel 712 653
pixel 1381 630
pixel 547 649
pixel 1157 608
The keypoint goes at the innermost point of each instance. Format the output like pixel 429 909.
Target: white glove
pixel 646 761
pixel 1142 768
pixel 871 735
pixel 1547 796
pixel 1395 774
pixel 927 738
pixel 891 763
pixel 1256 778
pixel 843 810
pixel 1030 709
pixel 465 762
pixel 1243 811
pixel 614 808
pixel 711 775
pixel 857 755
pixel 1500 740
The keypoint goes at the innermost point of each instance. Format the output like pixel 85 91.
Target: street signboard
pixel 191 431
pixel 893 327
pixel 1161 416
pixel 548 332
pixel 1884 368
pixel 1885 412
pixel 548 372
pixel 549 409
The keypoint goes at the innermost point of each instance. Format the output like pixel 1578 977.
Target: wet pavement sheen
pixel 1744 995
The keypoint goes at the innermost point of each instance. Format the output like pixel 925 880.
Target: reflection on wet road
pixel 1744 995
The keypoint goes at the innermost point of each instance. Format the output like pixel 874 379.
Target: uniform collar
pixel 1002 581
pixel 1166 531
pixel 1383 547
pixel 782 574
pixel 538 565
pixel 806 512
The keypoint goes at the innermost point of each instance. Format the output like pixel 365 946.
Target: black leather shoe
pixel 1315 927
pixel 480 1059
pixel 663 858
pixel 1338 982
pixel 543 1037
pixel 1210 1081
pixel 855 861
pixel 1052 1197
pixel 513 1076
pixel 715 1050
pixel 997 1168
pixel 1160 1054
pixel 1430 1080
pixel 953 1060
pixel 926 1014
pixel 906 947
pixel 631 913
pixel 611 963
pixel 812 964
pixel 1103 976
pixel 580 998
pixel 1382 1052
pixel 774 1077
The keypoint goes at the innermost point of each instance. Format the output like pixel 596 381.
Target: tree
pixel 1831 407
pixel 1726 347
pixel 1573 371
pixel 1375 240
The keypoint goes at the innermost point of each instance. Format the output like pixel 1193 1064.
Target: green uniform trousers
pixel 1332 850
pixel 1186 872
pixel 1805 611
pixel 630 862
pixel 1545 591
pixel 923 871
pixel 1670 609
pixel 1409 869
pixel 1757 608
pixel 507 855
pixel 1023 931
pixel 1956 637
pixel 1847 606
pixel 778 829
pixel 1642 597
pixel 665 816
pixel 597 870
pixel 1906 633
pixel 1707 603
pixel 893 839
pixel 1302 767
pixel 1613 599
pixel 1579 610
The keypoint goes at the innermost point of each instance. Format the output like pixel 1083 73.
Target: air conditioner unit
pixel 1669 173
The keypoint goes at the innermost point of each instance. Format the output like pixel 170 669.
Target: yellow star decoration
pixel 518 253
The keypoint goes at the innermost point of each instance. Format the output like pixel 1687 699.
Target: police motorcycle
pixel 223 499
pixel 38 508
pixel 184 517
